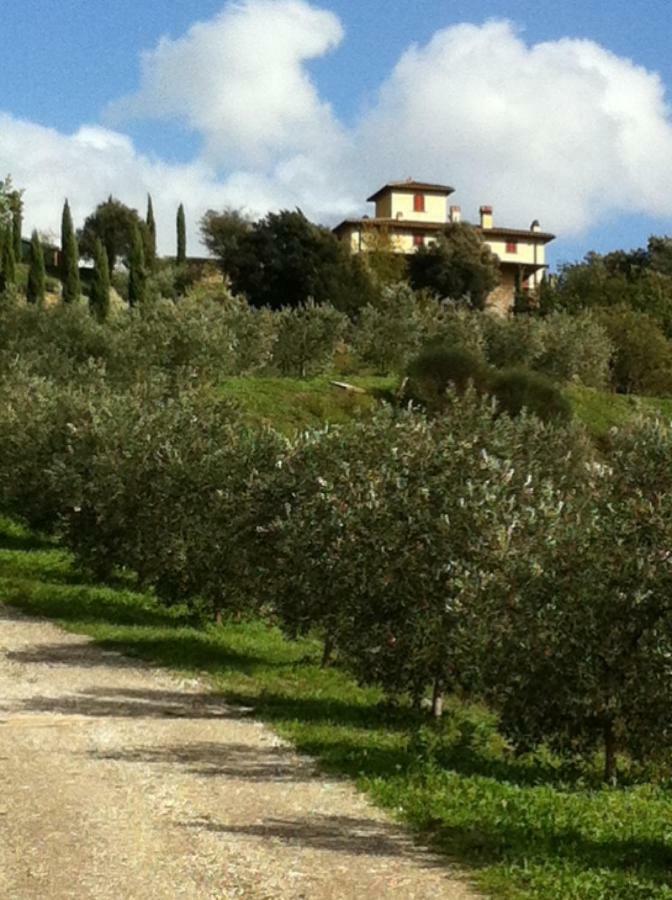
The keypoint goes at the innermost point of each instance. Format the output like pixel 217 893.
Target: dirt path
pixel 119 781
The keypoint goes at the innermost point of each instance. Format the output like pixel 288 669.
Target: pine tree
pixel 137 277
pixel 151 229
pixel 8 261
pixel 181 236
pixel 36 275
pixel 69 258
pixel 99 295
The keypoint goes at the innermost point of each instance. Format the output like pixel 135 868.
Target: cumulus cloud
pixel 240 81
pixel 87 166
pixel 564 131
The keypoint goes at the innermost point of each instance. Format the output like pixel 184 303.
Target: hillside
pixel 292 404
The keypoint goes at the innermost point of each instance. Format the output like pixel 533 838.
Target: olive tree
pixel 578 651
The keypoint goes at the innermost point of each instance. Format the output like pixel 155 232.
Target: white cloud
pixel 564 131
pixel 87 166
pixel 240 81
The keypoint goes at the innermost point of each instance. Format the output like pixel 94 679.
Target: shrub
pixel 307 337
pixel 389 334
pixel 518 389
pixel 37 420
pixel 575 348
pixel 450 326
pixel 511 342
pixel 436 368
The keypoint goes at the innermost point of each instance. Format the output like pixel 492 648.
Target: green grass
pixel 525 828
pixel 295 404
pixel 600 411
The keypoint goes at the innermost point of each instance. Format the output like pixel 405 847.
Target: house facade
pixel 412 213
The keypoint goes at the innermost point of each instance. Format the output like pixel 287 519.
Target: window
pixel 419 203
pixel 512 246
pixel 419 240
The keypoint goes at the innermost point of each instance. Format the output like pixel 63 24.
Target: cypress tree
pixel 151 229
pixel 99 295
pixel 36 275
pixel 137 276
pixel 181 236
pixel 17 224
pixel 69 258
pixel 8 260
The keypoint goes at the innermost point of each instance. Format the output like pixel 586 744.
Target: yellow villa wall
pixel 394 203
pixel 525 255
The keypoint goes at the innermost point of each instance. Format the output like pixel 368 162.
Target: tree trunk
pixel 328 650
pixel 218 617
pixel 609 753
pixel 437 699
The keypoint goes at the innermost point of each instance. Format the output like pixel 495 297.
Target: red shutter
pixel 419 240
pixel 512 247
pixel 419 203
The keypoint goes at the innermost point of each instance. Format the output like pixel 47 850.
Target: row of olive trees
pixel 238 338
pixel 495 557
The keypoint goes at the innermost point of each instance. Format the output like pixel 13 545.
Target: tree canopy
pixel 114 223
pixel 285 260
pixel 459 265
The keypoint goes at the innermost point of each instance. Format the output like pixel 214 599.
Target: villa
pixel 412 212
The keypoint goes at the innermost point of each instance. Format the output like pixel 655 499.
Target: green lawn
pixel 600 411
pixel 525 827
pixel 295 404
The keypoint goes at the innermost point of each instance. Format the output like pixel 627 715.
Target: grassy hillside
pixel 292 404
pixel 526 827
pixel 600 411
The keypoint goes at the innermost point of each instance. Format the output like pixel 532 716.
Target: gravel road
pixel 120 781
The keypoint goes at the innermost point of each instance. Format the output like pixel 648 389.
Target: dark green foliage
pixel 137 274
pixel 8 268
pixel 71 287
pixel 519 389
pixel 285 260
pixel 642 361
pixel 181 236
pixel 458 266
pixel 437 368
pixel 114 224
pixel 640 280
pixel 17 224
pixel 151 233
pixel 223 233
pixel 36 274
pixel 99 290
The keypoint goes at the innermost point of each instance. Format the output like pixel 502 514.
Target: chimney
pixel 455 214
pixel 535 226
pixel 486 217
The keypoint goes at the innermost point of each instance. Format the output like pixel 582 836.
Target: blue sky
pixel 68 64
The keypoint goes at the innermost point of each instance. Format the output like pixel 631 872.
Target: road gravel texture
pixel 120 781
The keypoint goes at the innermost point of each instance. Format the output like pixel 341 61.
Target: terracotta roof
pixel 413 186
pixel 415 225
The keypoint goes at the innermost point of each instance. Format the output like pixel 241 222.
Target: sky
pixel 544 110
